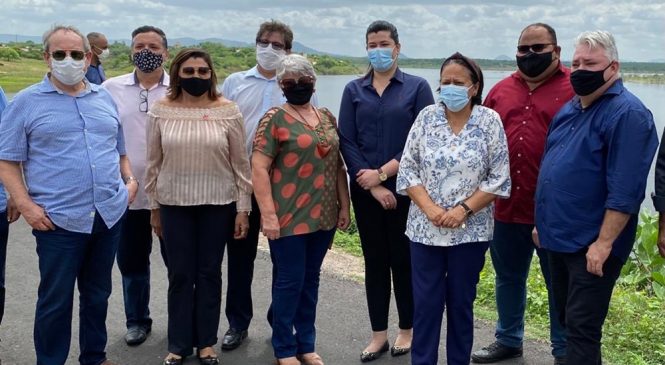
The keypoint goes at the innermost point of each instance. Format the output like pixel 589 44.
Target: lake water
pixel 330 88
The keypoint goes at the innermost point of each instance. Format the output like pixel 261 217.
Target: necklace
pixel 305 119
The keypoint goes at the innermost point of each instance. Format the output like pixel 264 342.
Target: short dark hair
pixel 381 25
pixel 148 29
pixel 474 71
pixel 175 89
pixel 547 27
pixel 279 27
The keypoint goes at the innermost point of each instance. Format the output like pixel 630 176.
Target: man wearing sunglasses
pixel 255 91
pixel 99 46
pixel 63 135
pixel 134 94
pixel 526 101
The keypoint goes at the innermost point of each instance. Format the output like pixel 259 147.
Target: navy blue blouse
pixel 373 128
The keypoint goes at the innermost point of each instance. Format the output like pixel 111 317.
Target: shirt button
pixel 521 138
pixel 524 122
pixel 518 188
pixel 518 171
pixel 519 155
pixel 526 107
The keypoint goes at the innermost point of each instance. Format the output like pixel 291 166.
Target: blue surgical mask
pixel 381 58
pixel 455 97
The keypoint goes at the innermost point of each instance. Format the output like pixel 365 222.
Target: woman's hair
pixel 474 71
pixel 175 90
pixel 295 64
pixel 381 25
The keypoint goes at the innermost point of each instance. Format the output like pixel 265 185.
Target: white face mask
pixel 68 71
pixel 268 58
pixel 104 55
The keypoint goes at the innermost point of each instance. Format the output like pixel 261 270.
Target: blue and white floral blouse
pixel 451 167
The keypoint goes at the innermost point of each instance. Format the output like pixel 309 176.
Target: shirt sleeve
pixel 497 179
pixel 13 135
pixel 659 184
pixel 265 140
pixel 631 144
pixel 424 97
pixel 155 157
pixel 348 133
pixel 408 174
pixel 240 165
pixel 226 88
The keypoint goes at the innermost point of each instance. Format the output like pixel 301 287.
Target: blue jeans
pixel 4 231
pixel 66 258
pixel 512 250
pixel 444 278
pixel 295 291
pixel 134 264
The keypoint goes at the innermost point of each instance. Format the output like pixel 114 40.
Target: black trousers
pixel 582 300
pixel 240 261
pixel 386 252
pixel 195 237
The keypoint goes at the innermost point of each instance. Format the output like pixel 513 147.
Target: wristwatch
pixel 130 178
pixel 467 211
pixel 382 175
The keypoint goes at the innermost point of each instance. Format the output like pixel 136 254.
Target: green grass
pixel 16 75
pixel 634 332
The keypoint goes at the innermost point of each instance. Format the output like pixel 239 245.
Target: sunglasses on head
pixel 202 71
pixel 288 84
pixel 535 48
pixel 275 45
pixel 60 55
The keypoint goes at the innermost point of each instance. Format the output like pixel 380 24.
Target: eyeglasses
pixel 143 97
pixel 202 71
pixel 535 48
pixel 275 45
pixel 288 84
pixel 60 55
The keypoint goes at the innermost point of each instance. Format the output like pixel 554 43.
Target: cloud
pixel 427 28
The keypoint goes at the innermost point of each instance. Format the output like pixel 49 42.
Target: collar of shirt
pixel 133 79
pixel 254 72
pixel 398 76
pixel 46 86
pixel 616 89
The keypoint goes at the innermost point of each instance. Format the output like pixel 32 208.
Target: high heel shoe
pixel 367 356
pixel 399 350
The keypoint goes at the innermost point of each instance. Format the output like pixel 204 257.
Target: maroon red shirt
pixel 526 116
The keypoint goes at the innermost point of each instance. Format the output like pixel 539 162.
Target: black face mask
pixel 299 94
pixel 534 64
pixel 195 86
pixel 585 82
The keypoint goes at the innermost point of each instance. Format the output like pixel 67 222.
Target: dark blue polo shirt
pixel 596 158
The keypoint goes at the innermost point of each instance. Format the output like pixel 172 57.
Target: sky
pixel 427 28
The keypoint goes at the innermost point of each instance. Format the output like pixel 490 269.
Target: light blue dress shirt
pixel 70 147
pixel 451 167
pixel 3 197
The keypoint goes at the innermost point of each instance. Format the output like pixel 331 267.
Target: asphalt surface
pixel 342 322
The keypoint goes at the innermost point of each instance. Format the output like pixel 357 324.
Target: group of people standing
pixel 167 152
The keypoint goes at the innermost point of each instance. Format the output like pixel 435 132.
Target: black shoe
pixel 494 353
pixel 136 335
pixel 233 338
pixel 399 350
pixel 367 356
pixel 559 360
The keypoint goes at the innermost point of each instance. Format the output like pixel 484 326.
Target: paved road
pixel 343 326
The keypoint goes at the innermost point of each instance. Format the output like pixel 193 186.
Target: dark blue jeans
pixel 66 258
pixel 512 250
pixel 4 231
pixel 444 278
pixel 295 291
pixel 134 264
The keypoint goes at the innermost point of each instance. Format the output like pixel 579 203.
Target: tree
pixel 8 54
